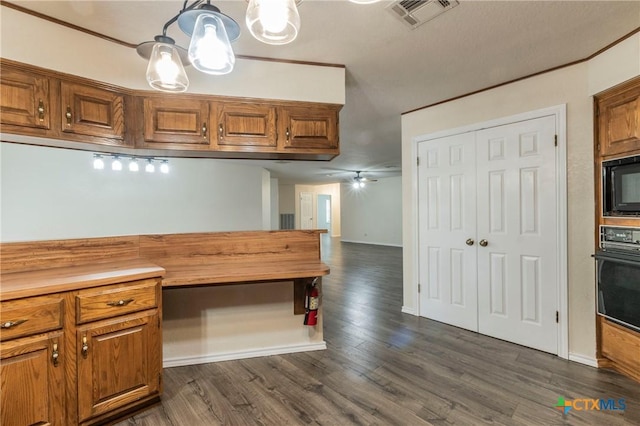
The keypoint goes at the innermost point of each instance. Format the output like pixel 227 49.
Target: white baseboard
pixel 228 356
pixel 372 243
pixel 410 311
pixel 586 360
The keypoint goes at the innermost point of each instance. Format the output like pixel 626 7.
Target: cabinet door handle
pixel 120 302
pixel 68 115
pixel 41 110
pixel 55 355
pixel 204 130
pixel 85 346
pixel 220 131
pixel 10 324
pixel 287 133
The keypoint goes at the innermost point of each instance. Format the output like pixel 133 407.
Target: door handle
pixel 85 346
pixel 68 115
pixel 469 242
pixel 483 243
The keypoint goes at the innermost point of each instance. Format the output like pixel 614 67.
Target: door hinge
pixel 557 317
pixel 418 287
pixel 555 140
pixel 418 161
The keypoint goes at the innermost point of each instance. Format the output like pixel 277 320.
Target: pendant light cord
pixel 184 9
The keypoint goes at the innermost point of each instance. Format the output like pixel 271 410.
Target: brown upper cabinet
pixel 618 114
pixel 24 100
pixel 74 112
pixel 176 123
pixel 91 111
pixel 309 128
pixel 244 126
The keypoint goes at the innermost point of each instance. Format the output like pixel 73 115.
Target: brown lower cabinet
pixel 102 358
pixel 116 363
pixel 33 391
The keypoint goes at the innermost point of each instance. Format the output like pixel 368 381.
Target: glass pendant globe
pixel 273 21
pixel 165 71
pixel 210 50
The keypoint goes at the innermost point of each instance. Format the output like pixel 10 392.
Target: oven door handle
pixel 619 258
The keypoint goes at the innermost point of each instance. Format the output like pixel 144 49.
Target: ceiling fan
pixel 359 181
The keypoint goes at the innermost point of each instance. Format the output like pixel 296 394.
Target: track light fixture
pixel 134 166
pixel 116 164
pixel 149 168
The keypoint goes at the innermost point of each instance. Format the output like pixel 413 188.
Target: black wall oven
pixel 618 275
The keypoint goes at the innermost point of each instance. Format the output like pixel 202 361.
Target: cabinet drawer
pixel 29 316
pixel 112 301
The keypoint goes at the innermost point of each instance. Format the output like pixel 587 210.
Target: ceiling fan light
pixel 210 50
pixel 165 71
pixel 273 21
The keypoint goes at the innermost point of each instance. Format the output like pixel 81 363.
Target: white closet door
pixel 447 220
pixel 517 269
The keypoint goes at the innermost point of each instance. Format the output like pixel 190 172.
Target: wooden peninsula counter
pixel 81 319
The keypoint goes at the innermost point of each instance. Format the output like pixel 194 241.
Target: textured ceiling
pixel 390 68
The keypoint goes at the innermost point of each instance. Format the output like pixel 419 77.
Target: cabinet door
pixel 24 99
pixel 119 362
pixel 32 377
pixel 176 123
pixel 245 127
pixel 91 111
pixel 619 122
pixel 308 128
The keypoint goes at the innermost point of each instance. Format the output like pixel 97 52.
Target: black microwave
pixel 621 187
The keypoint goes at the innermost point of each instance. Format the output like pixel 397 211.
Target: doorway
pixel 306 210
pixel 324 212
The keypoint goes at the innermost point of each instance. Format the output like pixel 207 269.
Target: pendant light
pixel 211 33
pixel 273 21
pixel 165 71
pixel 210 50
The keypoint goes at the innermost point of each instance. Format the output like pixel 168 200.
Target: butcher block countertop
pixel 16 285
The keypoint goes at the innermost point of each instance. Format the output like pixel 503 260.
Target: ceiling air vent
pixel 416 12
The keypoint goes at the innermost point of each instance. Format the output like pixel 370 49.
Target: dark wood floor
pixel 383 367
